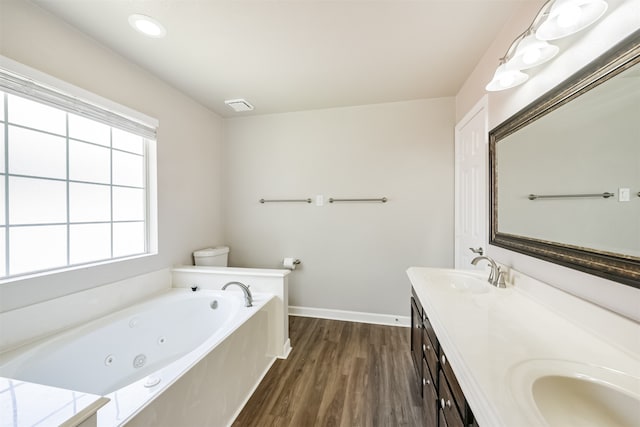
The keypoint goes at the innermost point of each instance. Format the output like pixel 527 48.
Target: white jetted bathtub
pixel 182 358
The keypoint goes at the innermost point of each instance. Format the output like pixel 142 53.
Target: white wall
pixel 354 255
pixel 621 19
pixel 189 145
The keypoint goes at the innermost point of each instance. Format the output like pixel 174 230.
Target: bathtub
pixel 180 358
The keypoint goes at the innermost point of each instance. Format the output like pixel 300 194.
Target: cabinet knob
pixel 428 347
pixel 424 347
pixel 425 381
pixel 443 359
pixel 443 403
pixel 418 326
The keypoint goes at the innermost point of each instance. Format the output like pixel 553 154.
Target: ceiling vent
pixel 239 105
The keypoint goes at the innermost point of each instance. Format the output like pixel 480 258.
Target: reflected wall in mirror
pixel 565 171
pixel 587 147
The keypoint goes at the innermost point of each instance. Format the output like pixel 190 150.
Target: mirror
pixel 565 171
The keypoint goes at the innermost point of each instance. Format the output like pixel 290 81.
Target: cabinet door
pixel 416 337
pixel 429 399
pixel 454 387
pixel 447 404
pixel 442 420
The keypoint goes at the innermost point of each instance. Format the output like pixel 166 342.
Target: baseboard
pixel 286 349
pixel 350 316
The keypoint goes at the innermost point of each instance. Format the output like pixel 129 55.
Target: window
pixel 74 181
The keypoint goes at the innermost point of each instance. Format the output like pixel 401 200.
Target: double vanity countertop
pixel 501 342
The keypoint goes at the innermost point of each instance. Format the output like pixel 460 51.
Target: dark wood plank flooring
pixel 341 374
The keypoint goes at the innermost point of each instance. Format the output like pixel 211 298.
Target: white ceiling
pixel 291 55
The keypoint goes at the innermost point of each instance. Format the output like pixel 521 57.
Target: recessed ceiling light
pixel 239 105
pixel 147 26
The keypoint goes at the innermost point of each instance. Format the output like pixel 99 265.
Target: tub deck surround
pixel 491 337
pixel 102 356
pixel 209 385
pixel 234 271
pixel 272 281
pixel 53 406
pixel 169 331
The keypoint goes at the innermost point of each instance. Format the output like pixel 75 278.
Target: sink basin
pixel 567 401
pixel 563 393
pixel 464 282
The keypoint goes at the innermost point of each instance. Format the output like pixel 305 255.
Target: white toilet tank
pixel 212 257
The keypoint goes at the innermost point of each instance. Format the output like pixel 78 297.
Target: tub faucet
pixel 248 298
pixel 496 277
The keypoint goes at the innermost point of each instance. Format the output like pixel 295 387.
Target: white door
pixel 471 185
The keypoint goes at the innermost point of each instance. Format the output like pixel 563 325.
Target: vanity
pixel 564 188
pixel 525 355
pixel 443 402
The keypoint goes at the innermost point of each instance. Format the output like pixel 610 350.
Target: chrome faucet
pixel 248 298
pixel 496 277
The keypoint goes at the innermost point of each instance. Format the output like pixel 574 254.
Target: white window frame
pixel 74 100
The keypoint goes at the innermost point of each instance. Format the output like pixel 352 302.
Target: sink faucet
pixel 248 298
pixel 496 277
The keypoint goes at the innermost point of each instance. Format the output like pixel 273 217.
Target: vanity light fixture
pixel 556 19
pixel 148 26
pixel 506 77
pixel 531 52
pixel 567 17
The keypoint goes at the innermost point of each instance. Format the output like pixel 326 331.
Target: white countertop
pixel 490 338
pixel 27 404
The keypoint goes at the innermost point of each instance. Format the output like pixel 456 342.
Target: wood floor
pixel 338 374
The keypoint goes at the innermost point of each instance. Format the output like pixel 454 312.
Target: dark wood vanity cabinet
pixel 443 402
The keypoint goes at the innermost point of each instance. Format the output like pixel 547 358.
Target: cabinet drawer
pixel 454 387
pixel 447 404
pixel 430 332
pixel 430 353
pixel 414 298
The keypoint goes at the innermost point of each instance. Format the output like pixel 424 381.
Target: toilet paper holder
pixel 291 263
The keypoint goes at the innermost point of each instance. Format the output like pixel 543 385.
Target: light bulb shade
pixel 532 52
pixel 567 17
pixel 506 78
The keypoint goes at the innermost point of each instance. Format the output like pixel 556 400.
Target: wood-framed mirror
pixel 565 171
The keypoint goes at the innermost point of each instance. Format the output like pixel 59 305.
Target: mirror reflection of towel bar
pixel 605 195
pixel 285 201
pixel 382 200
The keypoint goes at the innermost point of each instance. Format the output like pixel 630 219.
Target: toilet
pixel 212 257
